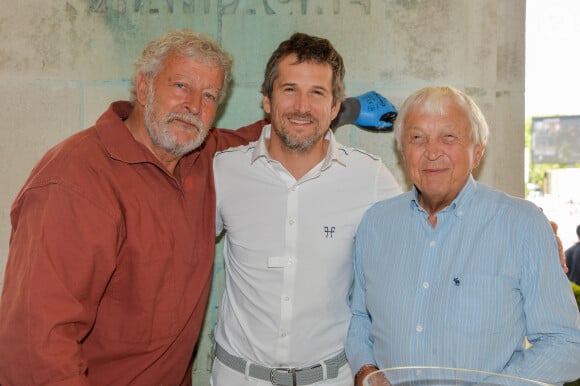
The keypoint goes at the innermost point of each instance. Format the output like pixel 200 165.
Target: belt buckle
pixel 288 370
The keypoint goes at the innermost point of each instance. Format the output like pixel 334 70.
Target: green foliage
pixel 538 172
pixel 576 289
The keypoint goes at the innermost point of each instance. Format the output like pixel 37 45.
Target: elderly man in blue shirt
pixel 454 273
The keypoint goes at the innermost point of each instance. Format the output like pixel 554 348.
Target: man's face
pixel 301 107
pixel 439 153
pixel 181 104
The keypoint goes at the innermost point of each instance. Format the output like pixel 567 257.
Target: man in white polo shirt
pixel 290 204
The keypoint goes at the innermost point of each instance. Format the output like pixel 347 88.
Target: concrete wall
pixel 63 62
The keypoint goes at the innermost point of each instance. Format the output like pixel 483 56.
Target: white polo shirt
pixel 287 250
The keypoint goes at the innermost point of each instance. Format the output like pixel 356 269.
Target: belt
pixel 284 376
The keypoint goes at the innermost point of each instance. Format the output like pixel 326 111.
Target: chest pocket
pixel 482 304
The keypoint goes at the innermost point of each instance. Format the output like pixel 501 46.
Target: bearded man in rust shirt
pixel 112 239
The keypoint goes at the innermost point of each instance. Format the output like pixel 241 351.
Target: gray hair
pixel 432 100
pixel 184 43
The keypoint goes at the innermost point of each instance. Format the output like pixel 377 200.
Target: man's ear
pixel 478 155
pixel 334 111
pixel 142 88
pixel 266 104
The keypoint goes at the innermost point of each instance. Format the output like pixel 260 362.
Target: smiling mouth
pixel 298 120
pixel 432 171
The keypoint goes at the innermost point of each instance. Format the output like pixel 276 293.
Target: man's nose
pixel 302 103
pixel 432 149
pixel 193 102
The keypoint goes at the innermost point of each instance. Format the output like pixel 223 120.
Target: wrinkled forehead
pixel 434 105
pixel 437 109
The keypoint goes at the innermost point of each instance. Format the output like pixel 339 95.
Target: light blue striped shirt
pixel 465 293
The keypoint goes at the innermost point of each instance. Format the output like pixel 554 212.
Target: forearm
pixel 550 362
pixel 552 318
pixel 43 347
pixel 52 287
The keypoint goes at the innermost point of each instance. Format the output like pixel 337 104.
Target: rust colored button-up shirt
pixel 110 261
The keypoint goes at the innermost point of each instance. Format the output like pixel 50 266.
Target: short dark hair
pixel 578 231
pixel 307 48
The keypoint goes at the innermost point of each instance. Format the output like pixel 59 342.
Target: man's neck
pixel 433 205
pixel 298 163
pixel 136 125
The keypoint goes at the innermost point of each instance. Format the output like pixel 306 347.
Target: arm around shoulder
pixel 226 138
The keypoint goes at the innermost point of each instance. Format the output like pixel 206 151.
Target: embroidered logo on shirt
pixel 329 231
pixel 456 281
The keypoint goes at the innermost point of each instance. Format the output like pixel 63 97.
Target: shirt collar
pixel 459 205
pixel 333 153
pixel 117 138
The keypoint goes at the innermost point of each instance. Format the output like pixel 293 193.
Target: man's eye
pixel 417 139
pixel 449 138
pixel 210 96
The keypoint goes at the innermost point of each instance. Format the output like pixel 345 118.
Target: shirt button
pixel 419 328
pixel 425 285
pixel 286 298
pixel 291 222
pixel 432 244
pixel 283 334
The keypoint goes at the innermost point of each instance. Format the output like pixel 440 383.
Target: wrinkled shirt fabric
pixel 110 261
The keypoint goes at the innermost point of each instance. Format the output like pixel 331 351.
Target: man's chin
pixel 191 145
